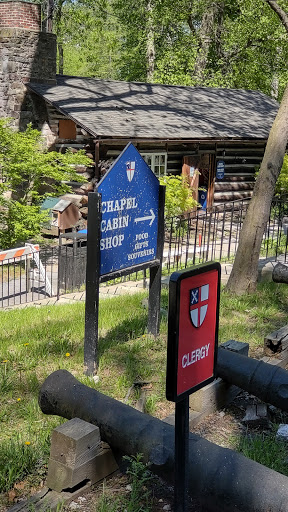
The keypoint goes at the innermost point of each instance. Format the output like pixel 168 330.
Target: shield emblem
pixel 199 304
pixel 130 169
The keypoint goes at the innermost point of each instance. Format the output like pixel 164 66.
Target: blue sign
pixel 129 202
pixel 220 170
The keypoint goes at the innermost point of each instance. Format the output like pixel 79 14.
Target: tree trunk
pixel 205 36
pixel 243 277
pixel 61 57
pixel 150 43
pixel 280 13
pixel 210 32
pixel 50 15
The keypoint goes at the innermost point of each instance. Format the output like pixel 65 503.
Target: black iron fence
pixel 193 238
pixel 202 236
pixel 28 278
pixel 213 234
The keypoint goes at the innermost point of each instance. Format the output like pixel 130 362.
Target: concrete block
pixel 282 432
pixel 276 343
pixel 213 397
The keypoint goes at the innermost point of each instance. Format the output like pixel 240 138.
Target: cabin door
pixel 200 173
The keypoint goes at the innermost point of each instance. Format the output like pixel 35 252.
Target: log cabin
pixel 221 133
pixel 215 137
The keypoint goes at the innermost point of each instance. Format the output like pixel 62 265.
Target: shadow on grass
pixel 125 331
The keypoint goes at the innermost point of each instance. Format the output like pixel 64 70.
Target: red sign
pixel 192 329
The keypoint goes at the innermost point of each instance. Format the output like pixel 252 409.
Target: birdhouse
pixel 62 215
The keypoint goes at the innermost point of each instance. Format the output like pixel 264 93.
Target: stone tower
pixel 26 55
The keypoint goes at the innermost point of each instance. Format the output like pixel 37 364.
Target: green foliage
pixel 282 182
pixel 139 475
pixel 27 171
pixel 139 498
pixel 90 38
pixel 19 457
pixel 179 196
pixel 236 43
pixel 266 450
pixel 108 503
pixel 19 223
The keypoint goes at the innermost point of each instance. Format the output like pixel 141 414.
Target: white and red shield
pixel 199 304
pixel 130 169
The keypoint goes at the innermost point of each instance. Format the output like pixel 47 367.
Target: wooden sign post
pixel 125 234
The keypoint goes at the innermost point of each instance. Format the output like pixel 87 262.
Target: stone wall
pixel 26 55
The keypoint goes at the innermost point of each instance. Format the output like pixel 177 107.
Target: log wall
pixel 241 162
pixel 241 159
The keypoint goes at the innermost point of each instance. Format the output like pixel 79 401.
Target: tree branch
pixel 280 12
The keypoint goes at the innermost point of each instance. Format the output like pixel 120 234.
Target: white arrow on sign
pixel 149 217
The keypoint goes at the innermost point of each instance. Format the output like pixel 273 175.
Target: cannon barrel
pixel 223 479
pixel 264 380
pixel 280 273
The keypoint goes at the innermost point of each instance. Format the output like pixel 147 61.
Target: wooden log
pixel 230 186
pixel 232 196
pixel 280 273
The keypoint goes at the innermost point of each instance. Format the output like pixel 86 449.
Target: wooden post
pixel 97 159
pixel 92 284
pixel 156 272
pixel 77 455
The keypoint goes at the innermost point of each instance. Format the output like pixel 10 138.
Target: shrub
pixel 179 196
pixel 27 168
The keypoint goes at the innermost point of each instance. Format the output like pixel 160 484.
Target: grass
pixel 25 460
pixel 12 271
pixel 276 245
pixel 37 341
pixel 265 449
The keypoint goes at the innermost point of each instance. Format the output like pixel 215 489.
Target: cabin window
pixel 157 162
pixel 67 129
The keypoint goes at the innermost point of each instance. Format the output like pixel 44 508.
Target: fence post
pixel 28 270
pixel 156 272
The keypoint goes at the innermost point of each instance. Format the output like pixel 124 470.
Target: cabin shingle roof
pixel 132 110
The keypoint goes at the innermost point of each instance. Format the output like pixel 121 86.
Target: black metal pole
pixel 92 284
pixel 181 454
pixel 59 266
pixel 156 272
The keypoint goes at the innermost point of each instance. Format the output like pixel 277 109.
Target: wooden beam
pixel 97 158
pixel 125 140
